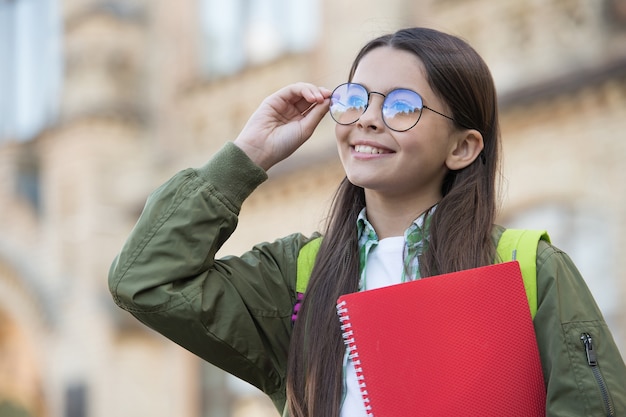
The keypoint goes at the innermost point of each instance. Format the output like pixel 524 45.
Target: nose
pixel 372 117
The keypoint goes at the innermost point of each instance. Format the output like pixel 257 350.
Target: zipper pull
pixel 591 354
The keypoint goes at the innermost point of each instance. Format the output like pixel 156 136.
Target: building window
pixel 76 400
pixel 616 12
pixel 27 179
pixel 30 73
pixel 239 33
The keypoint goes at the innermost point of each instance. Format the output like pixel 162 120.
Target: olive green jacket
pixel 235 312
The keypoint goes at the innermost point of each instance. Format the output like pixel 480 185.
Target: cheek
pixel 426 139
pixel 341 133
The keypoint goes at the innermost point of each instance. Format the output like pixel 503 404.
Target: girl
pixel 418 136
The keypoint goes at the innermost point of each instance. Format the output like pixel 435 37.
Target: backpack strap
pixel 306 260
pixel 521 245
pixel 514 244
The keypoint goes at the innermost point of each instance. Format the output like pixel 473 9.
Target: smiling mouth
pixel 369 150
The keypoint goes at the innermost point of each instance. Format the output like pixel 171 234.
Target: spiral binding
pixel 348 338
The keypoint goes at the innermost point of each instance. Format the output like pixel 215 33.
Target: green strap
pixel 306 260
pixel 514 244
pixel 521 245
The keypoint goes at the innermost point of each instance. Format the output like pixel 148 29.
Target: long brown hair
pixel 460 228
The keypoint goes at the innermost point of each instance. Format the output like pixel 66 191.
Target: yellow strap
pixel 521 245
pixel 306 260
pixel 514 244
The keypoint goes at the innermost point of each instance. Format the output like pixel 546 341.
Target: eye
pixel 402 102
pixel 356 101
pixel 400 106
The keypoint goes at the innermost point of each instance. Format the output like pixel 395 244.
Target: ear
pixel 465 147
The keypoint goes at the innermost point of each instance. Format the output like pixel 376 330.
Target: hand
pixel 283 122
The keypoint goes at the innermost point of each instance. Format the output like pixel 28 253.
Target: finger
pixel 315 94
pixel 313 117
pixel 312 96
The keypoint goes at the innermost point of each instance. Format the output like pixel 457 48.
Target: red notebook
pixel 459 344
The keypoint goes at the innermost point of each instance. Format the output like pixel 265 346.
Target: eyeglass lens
pixel 401 108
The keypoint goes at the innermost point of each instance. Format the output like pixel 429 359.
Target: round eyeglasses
pixel 401 110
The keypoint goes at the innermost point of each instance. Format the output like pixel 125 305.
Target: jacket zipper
pixel 592 361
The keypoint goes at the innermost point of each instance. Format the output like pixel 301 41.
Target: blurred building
pixel 152 87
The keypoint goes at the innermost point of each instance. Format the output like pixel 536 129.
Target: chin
pixel 360 181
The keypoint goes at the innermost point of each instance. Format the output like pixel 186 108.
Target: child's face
pixel 408 165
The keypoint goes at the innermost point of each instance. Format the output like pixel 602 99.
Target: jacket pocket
pixel 589 361
pixel 592 361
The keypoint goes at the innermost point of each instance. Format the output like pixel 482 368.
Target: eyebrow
pixel 387 91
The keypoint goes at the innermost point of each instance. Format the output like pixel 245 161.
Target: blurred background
pixel 101 101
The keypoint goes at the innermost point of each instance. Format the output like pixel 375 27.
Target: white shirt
pixel 383 267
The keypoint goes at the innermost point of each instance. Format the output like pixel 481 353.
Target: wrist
pixel 254 153
pixel 232 174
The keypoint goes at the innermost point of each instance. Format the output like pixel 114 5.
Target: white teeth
pixel 367 149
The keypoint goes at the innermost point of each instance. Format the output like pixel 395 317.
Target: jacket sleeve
pixel 567 314
pixel 234 312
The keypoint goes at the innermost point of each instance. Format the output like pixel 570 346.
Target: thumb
pixel 313 117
